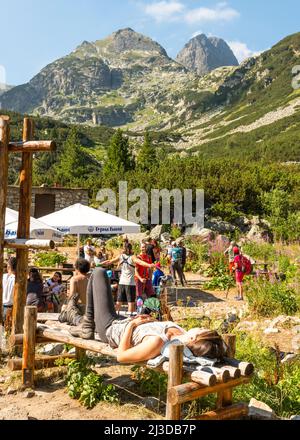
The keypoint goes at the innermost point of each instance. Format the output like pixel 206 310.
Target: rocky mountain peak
pixel 203 54
pixel 127 40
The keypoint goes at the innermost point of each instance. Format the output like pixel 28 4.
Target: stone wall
pixel 64 197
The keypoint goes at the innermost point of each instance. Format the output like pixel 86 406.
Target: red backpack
pixel 246 265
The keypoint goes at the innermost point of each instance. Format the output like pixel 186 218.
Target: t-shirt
pixel 127 270
pixel 144 272
pixel 176 254
pixel 157 275
pixel 116 331
pixel 89 253
pixel 8 289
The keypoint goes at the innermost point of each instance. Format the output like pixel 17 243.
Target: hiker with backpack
pixel 141 338
pixel 242 267
pixel 127 286
pixel 175 255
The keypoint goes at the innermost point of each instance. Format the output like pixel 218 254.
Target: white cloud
pixel 241 50
pixel 220 13
pixel 165 10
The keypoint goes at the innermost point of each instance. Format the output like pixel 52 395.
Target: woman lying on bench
pixel 139 339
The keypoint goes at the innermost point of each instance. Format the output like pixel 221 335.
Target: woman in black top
pixel 35 290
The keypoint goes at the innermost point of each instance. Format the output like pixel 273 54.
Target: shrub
pixel 267 299
pixel 87 386
pixel 49 259
pixel 199 256
pixel 273 383
pixel 149 381
pixel 264 252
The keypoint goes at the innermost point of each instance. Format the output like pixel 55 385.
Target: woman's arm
pixel 110 262
pixel 148 349
pixel 136 260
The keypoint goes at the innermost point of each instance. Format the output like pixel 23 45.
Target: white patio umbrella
pixel 82 220
pixel 38 229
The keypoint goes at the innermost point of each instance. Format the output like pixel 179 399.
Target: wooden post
pixel 225 397
pixel 23 232
pixel 4 140
pixel 175 378
pixel 30 321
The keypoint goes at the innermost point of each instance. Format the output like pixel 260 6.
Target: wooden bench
pixel 221 379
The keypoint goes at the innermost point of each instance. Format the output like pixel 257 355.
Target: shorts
pixel 144 288
pixel 126 293
pixel 239 276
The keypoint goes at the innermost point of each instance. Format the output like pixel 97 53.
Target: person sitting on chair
pixel 139 339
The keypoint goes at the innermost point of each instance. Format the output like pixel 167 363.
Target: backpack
pixel 246 265
pixel 152 305
pixel 176 254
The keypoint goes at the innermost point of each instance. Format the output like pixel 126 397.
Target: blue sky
pixel 37 32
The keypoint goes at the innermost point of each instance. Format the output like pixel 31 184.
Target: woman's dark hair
pixel 12 262
pixel 128 248
pixel 35 275
pixel 83 266
pixel 58 274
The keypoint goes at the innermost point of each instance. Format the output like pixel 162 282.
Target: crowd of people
pixel 133 278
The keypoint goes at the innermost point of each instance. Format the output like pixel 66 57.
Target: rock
pixel 3 379
pixel 53 349
pixel 10 391
pixel 283 320
pixel 290 358
pixel 165 237
pixel 246 325
pixel 243 223
pixel 28 394
pixel 72 351
pixel 260 410
pixel 203 235
pixel 296 344
pixel 232 317
pixel 137 238
pixel 203 54
pixel 258 234
pixel 296 330
pixel 152 403
pixel 295 418
pixel 220 226
pixel 270 331
pixel 156 232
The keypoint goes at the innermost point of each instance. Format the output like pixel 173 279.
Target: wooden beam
pixel 175 378
pixel 4 140
pixel 246 368
pixel 30 320
pixel 32 147
pixel 23 232
pixel 15 340
pixel 59 336
pixel 191 391
pixel 232 412
pixel 29 244
pixel 40 362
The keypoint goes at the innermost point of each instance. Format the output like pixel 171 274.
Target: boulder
pixel 156 232
pixel 53 349
pixel 270 331
pixel 137 238
pixel 220 226
pixel 28 394
pixel 243 223
pixel 203 235
pixel 10 391
pixel 165 237
pixel 260 410
pixel 295 418
pixel 258 234
pixel 283 320
pixel 246 325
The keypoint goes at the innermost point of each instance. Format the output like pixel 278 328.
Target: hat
pixel 236 250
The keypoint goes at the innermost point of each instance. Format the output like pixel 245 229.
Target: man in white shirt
pixel 89 252
pixel 8 286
